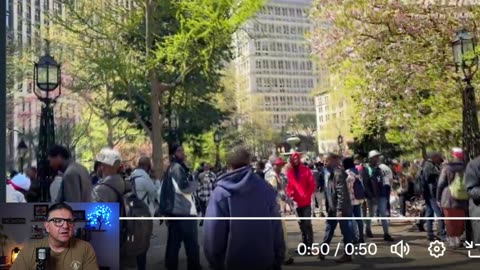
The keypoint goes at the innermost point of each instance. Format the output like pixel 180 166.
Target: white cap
pixel 109 156
pixel 374 153
pixel 21 181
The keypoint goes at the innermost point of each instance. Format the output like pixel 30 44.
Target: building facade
pixel 26 19
pixel 275 72
pixel 332 115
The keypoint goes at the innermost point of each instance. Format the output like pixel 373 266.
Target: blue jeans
pixel 345 228
pixel 357 212
pixel 379 204
pixel 431 210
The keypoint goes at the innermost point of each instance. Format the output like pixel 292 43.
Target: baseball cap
pixel 279 162
pixel 457 152
pixel 109 156
pixel 374 153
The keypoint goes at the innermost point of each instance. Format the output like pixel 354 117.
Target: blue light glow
pixel 100 216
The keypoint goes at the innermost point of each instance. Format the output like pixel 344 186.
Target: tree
pixel 404 77
pixel 172 40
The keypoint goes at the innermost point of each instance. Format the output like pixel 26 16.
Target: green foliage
pixel 395 62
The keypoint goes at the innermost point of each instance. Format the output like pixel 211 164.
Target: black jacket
pixel 176 195
pixel 337 195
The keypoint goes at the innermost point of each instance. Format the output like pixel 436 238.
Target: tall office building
pixel 275 72
pixel 25 21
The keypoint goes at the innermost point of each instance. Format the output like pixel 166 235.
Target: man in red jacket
pixel 300 188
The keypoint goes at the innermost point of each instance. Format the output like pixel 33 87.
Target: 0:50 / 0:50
pixel 350 249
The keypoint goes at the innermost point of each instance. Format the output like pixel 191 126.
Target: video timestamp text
pixel 350 249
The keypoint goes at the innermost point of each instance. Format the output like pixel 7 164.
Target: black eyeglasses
pixel 58 222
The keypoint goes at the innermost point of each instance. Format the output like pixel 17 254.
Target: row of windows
pixel 327 117
pixel 287 101
pixel 326 108
pixel 287 91
pixel 284 65
pixel 283 11
pixel 269 46
pixel 284 83
pixel 287 30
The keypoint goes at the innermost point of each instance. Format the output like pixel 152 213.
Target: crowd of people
pixel 331 186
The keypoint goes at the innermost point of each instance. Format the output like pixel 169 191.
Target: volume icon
pixel 400 249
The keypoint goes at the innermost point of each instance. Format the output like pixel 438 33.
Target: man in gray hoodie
pixel 144 186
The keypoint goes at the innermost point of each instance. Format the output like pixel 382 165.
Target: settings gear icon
pixel 437 249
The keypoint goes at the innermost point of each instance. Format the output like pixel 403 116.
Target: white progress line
pixel 301 218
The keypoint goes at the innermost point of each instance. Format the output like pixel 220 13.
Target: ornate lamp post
pixel 47 76
pixel 217 138
pixel 340 144
pixel 22 150
pixel 467 61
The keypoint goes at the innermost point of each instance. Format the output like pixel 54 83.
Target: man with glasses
pixel 66 252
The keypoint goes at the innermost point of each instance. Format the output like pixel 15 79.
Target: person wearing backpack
pixel 430 174
pixel 144 185
pixel 134 235
pixel 357 196
pixel 453 197
pixel 177 200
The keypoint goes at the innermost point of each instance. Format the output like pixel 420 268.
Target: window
pixel 278 11
pixel 271 28
pixel 274 64
pixel 309 65
pixel 287 47
pixel 302 65
pixel 280 64
pixel 279 29
pixel 256 27
pixel 272 47
pixel 270 10
pixel 310 83
pixel 275 83
pixel 295 83
pixel 282 83
pixel 259 82
pixel 294 48
pixel 288 65
pixel 265 64
pixel 295 65
pixel 320 118
pixel 276 119
pixel 258 64
pixel 327 117
pixel 291 11
pixel 284 12
pixel 286 30
pixel 293 30
pixel 299 13
pixel 289 82
pixel 279 46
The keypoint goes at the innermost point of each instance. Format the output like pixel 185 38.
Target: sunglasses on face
pixel 58 222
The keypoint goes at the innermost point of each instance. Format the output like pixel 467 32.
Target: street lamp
pixel 340 144
pixel 22 149
pixel 47 77
pixel 217 137
pixel 466 59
